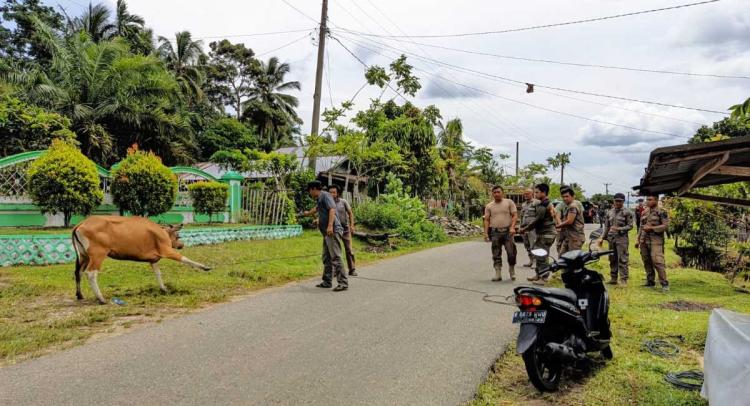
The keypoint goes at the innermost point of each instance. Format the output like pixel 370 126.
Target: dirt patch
pixel 380 249
pixel 685 306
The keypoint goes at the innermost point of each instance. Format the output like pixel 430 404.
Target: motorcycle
pixel 560 326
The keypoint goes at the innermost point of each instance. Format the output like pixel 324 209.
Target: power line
pixel 535 85
pixel 532 105
pixel 257 34
pixel 328 76
pixel 283 46
pixel 365 64
pixel 535 27
pixel 303 13
pixel 550 61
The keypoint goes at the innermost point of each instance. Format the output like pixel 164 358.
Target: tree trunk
pixel 66 219
pixel 348 171
pixel 562 175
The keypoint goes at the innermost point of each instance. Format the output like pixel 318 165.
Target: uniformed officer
pixel 617 225
pixel 544 226
pixel 528 212
pixel 500 217
pixel 654 223
pixel 571 224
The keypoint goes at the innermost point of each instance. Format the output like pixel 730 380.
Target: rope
pixel 663 348
pixel 690 380
pixel 507 300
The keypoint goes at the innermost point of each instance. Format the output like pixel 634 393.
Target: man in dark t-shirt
pixel 330 228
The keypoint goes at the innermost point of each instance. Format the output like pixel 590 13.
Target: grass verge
pixel 634 376
pixel 39 313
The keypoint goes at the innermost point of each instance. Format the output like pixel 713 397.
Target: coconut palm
pixel 453 151
pixel 95 21
pixel 271 110
pixel 127 25
pixel 182 59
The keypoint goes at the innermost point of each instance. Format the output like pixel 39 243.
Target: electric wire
pixel 301 12
pixel 567 63
pixel 532 105
pixel 363 63
pixel 486 296
pixel 690 380
pixel 535 27
pixel 537 85
pixel 290 43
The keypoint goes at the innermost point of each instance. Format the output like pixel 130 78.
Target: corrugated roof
pixel 677 169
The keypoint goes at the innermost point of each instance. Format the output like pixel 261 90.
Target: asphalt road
pixel 378 343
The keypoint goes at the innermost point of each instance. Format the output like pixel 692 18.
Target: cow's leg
pixel 176 256
pixel 157 271
pixel 95 265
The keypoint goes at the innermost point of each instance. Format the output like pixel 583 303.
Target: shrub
pixel 298 192
pixel 28 128
pixel 397 212
pixel 142 185
pixel 209 197
pixel 63 180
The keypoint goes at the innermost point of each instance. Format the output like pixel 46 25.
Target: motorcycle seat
pixel 562 294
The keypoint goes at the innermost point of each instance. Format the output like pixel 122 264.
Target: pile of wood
pixel 456 228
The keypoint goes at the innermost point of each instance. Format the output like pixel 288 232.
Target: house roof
pixel 675 170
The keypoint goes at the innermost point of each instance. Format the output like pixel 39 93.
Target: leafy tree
pixel 182 59
pixel 729 127
pixel 226 134
pixel 29 128
pixel 209 197
pixel 234 159
pixel 268 108
pixel 701 228
pixel 63 180
pixel 487 167
pixel 400 71
pixel 20 45
pixel 142 185
pixel 366 158
pixel 113 98
pixel 276 164
pixel 741 111
pixel 560 160
pixel 230 72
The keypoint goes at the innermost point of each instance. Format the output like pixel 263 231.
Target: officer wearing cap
pixel 617 224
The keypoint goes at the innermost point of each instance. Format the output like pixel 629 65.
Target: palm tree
pixel 268 108
pixel 453 150
pixel 112 97
pixel 560 161
pixel 741 111
pixel 95 21
pixel 127 25
pixel 182 59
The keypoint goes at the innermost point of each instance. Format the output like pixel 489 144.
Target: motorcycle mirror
pixel 539 252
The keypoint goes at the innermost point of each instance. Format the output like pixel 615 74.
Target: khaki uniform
pixel 652 244
pixel 571 236
pixel 500 217
pixel 618 240
pixel 528 212
pixel 544 226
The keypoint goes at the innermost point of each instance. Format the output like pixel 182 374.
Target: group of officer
pixel 541 224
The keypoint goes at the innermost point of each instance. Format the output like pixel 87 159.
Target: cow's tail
pixel 77 246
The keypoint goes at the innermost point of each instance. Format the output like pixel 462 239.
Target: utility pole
pixel 516 159
pixel 319 74
pixel 606 188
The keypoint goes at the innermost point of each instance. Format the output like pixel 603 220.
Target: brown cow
pixel 127 238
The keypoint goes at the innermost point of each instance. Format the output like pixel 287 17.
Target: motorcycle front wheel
pixel 544 374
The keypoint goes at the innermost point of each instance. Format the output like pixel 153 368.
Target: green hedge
pixel 209 197
pixel 142 185
pixel 63 180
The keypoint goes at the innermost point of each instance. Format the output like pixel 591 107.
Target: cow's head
pixel 174 237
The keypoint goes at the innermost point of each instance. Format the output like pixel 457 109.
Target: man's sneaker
pixel 323 285
pixel 648 285
pixel 353 272
pixel 665 288
pixel 340 288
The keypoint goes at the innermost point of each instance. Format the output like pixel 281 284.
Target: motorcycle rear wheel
pixel 543 373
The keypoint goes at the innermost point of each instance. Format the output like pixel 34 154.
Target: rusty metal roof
pixel 677 169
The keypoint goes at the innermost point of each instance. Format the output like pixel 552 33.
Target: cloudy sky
pixel 705 39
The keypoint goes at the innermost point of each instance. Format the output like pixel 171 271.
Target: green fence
pixel 57 248
pixel 17 209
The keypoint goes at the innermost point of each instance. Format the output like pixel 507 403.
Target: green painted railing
pixel 57 248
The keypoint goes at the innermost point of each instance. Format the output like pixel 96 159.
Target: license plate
pixel 537 317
